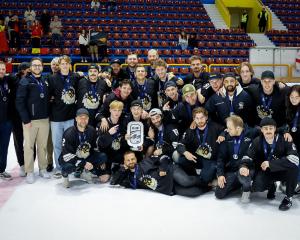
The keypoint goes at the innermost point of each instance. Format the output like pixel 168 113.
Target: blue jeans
pixel 5 131
pixel 57 130
pixel 97 158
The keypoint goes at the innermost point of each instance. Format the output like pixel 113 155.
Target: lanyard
pixel 161 136
pixel 266 103
pixel 67 83
pixel 4 89
pixel 202 143
pixel 131 74
pixel 133 183
pixel 142 89
pixel 269 156
pixel 231 102
pixel 94 89
pixel 190 108
pixel 162 84
pixel 81 137
pixel 39 83
pixel 236 145
pixel 295 121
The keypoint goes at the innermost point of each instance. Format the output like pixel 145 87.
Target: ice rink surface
pixel 47 211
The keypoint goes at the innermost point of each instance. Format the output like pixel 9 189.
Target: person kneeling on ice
pixel 158 174
pixel 230 154
pixel 274 159
pixel 78 151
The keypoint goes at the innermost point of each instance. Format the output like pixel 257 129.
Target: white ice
pixel 47 211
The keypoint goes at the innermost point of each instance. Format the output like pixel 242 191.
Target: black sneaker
pixel 285 204
pixel 5 176
pixel 271 192
pixel 49 168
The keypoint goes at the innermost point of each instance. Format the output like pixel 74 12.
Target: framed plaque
pixel 136 132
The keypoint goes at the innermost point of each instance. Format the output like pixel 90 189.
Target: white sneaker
pixel 245 197
pixel 87 176
pixel 66 182
pixel 22 172
pixel 43 173
pixel 30 178
pixel 57 174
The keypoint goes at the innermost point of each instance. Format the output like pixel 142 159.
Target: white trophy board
pixel 136 132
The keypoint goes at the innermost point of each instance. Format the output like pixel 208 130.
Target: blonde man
pixel 62 88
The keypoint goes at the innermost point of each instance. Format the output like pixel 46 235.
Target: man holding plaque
pixel 135 115
pixel 32 103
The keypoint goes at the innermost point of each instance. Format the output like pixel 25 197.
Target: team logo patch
pixel 264 112
pixel 83 150
pixel 147 102
pixel 149 181
pixel 204 151
pixel 116 145
pixel 91 101
pixel 68 95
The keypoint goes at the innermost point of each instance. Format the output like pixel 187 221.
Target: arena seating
pixel 137 26
pixel 288 12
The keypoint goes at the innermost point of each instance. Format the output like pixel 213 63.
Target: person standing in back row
pixel 32 103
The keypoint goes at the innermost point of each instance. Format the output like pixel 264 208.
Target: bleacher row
pixel 140 25
pixel 288 12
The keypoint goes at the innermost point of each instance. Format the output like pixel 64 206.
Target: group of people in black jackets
pixel 236 129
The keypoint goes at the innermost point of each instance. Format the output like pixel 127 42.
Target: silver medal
pixel 235 156
pixel 4 99
pixel 42 95
pixel 116 145
pixel 294 129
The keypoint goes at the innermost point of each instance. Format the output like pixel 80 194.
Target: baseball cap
pixel 94 66
pixel 116 60
pixel 136 103
pixel 23 66
pixel 169 84
pixel 213 76
pixel 267 74
pixel 155 111
pixel 82 111
pixel 188 88
pixel 267 121
pixel 107 69
pixel 229 74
